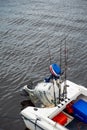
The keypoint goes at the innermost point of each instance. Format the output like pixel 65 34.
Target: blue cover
pixel 55 69
pixel 80 110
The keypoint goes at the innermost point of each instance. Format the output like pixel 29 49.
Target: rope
pixel 36 123
pixel 80 124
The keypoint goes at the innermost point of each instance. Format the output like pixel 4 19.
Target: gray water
pixel 27 28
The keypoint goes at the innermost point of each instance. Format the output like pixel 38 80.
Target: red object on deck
pixel 61 118
pixel 69 108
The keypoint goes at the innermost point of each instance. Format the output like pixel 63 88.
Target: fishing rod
pixel 61 50
pixel 59 81
pixel 65 85
pixel 60 54
pixel 50 60
pixel 65 60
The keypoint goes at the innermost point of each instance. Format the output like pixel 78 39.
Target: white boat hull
pixel 39 122
pixel 41 118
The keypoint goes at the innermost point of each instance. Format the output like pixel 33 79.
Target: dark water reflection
pixel 25 29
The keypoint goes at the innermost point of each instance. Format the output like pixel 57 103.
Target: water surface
pixel 27 27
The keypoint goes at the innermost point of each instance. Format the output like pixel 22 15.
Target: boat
pixel 62 102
